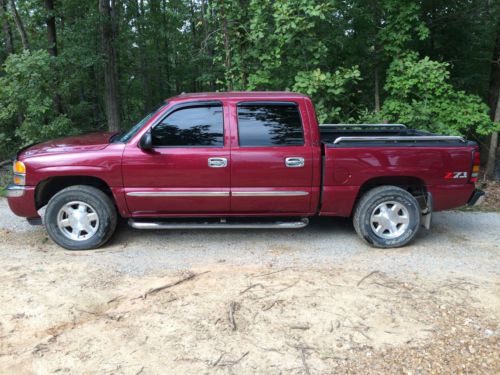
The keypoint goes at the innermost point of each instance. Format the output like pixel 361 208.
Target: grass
pixel 5 178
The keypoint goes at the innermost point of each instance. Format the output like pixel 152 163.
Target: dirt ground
pixel 253 302
pixel 492 200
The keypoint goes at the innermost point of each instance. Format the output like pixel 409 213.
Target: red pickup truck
pixel 242 160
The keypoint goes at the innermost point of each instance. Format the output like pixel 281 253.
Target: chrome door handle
pixel 217 162
pixel 294 162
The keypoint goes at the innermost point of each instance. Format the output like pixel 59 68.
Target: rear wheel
pixel 387 216
pixel 80 218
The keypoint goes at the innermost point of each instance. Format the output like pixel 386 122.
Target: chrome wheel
pixel 77 221
pixel 390 220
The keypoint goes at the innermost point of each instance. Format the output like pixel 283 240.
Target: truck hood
pixel 86 142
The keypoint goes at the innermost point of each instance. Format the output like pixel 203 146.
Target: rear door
pixel 271 158
pixel 187 172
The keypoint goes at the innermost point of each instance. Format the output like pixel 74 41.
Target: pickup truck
pixel 242 160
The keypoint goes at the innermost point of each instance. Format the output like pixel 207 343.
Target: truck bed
pixel 356 156
pixel 358 135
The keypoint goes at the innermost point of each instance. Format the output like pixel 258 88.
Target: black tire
pixel 385 197
pixel 98 201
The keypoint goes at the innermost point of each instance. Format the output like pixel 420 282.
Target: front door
pixel 271 161
pixel 187 172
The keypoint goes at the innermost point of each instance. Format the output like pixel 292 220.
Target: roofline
pixel 237 94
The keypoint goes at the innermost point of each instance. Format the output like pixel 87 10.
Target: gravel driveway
pixel 253 301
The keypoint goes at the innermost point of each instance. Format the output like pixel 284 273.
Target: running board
pixel 218 225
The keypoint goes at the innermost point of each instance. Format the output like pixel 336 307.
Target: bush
pixel 27 89
pixel 420 96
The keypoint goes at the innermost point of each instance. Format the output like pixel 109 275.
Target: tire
pixel 80 217
pixel 387 217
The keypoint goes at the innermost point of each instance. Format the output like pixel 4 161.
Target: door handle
pixel 217 162
pixel 294 162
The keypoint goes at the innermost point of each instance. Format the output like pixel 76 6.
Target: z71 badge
pixel 455 175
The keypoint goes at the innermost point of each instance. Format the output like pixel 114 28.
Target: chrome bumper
pixel 15 191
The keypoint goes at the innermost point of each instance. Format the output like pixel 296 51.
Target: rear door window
pixel 269 124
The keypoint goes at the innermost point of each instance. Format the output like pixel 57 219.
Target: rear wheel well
pixel 51 186
pixel 413 185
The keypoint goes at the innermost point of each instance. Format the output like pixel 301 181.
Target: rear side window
pixel 269 124
pixel 193 126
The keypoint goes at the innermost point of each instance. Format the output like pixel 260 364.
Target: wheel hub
pixel 390 220
pixel 77 221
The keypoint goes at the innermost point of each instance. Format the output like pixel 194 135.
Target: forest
pixel 72 66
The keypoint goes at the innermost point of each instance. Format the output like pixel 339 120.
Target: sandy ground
pixel 314 301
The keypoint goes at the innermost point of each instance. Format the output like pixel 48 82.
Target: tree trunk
pixel 166 48
pixel 51 28
pixel 227 62
pixel 492 166
pixel 7 32
pixel 111 84
pixel 377 89
pixel 20 26
pixel 146 87
pixel 52 48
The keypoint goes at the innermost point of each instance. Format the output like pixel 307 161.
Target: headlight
pixel 19 173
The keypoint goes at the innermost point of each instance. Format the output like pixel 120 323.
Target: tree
pixel 492 170
pixel 20 25
pixel 107 9
pixel 51 28
pixel 7 32
pixel 27 88
pixel 110 61
pixel 52 45
pixel 420 95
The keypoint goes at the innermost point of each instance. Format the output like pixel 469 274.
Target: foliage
pixel 420 95
pixel 26 91
pixel 426 62
pixel 329 91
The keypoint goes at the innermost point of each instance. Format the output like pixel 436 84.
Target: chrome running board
pixel 223 224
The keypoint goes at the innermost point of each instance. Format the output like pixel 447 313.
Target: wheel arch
pixel 414 185
pixel 49 187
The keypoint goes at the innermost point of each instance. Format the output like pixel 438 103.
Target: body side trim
pixel 178 194
pixel 268 193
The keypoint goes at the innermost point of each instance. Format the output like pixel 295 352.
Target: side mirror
pixel 146 142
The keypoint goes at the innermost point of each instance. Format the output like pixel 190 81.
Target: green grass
pixel 5 179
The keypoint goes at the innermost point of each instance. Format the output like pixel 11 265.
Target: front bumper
pixel 15 191
pixel 21 200
pixel 477 198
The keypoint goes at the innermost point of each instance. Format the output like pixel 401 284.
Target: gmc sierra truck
pixel 242 160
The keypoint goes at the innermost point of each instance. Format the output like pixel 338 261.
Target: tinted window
pixel 269 125
pixel 194 126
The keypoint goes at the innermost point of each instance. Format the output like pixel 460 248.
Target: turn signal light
pixel 19 179
pixel 19 167
pixel 475 166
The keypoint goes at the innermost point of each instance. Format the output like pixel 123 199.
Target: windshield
pixel 125 137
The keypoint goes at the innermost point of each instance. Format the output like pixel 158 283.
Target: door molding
pixel 269 193
pixel 178 194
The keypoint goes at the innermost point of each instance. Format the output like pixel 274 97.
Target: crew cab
pixel 242 160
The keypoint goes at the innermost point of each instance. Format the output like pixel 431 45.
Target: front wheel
pixel 80 218
pixel 387 217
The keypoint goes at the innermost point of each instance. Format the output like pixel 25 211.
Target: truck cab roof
pixel 251 95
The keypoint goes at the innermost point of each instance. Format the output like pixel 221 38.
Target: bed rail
pixel 362 127
pixel 415 139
